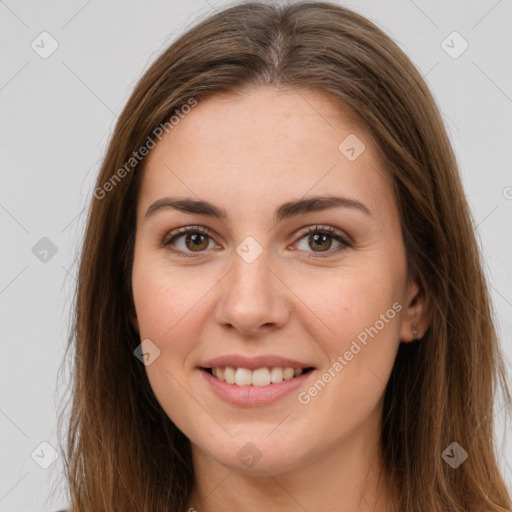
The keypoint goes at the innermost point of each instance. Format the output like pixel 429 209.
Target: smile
pixel 258 377
pixel 250 388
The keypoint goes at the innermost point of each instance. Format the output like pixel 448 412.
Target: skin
pixel 249 154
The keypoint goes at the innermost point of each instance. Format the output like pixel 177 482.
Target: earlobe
pixel 416 318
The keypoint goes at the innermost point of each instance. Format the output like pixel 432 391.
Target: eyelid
pixel 331 231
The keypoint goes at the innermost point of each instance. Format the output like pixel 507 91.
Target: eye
pixel 188 240
pixel 321 237
pixel 195 239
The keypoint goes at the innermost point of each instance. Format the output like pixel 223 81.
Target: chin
pixel 265 462
pixel 256 454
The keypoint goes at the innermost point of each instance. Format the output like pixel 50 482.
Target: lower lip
pixel 254 395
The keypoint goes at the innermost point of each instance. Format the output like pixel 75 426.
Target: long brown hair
pixel 123 453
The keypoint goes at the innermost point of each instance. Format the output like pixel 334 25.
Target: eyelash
pixel 325 230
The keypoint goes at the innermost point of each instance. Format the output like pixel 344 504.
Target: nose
pixel 253 298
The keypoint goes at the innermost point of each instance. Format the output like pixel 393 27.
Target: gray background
pixel 57 115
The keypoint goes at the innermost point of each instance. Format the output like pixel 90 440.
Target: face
pixel 302 304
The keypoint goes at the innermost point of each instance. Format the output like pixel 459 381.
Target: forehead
pixel 266 118
pixel 260 145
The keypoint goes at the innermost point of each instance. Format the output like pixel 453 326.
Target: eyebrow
pixel 284 211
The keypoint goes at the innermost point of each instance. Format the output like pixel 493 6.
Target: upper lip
pixel 252 363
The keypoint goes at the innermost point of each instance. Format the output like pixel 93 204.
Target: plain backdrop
pixel 58 111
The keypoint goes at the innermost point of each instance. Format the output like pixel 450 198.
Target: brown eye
pixel 319 240
pixel 196 241
pixel 187 240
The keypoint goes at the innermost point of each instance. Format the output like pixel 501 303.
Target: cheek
pixel 345 303
pixel 165 298
pixel 359 328
pixel 168 303
pixel 360 344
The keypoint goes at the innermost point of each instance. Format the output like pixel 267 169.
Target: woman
pixel 281 303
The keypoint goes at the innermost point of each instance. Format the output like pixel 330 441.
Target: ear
pixel 417 315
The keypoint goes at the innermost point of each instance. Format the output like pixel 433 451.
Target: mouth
pixel 255 381
pixel 264 376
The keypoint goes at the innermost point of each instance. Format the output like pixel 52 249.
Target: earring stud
pixel 415 331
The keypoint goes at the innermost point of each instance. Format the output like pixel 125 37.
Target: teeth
pixel 229 375
pixel 258 377
pixel 243 377
pixel 276 375
pixel 288 373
